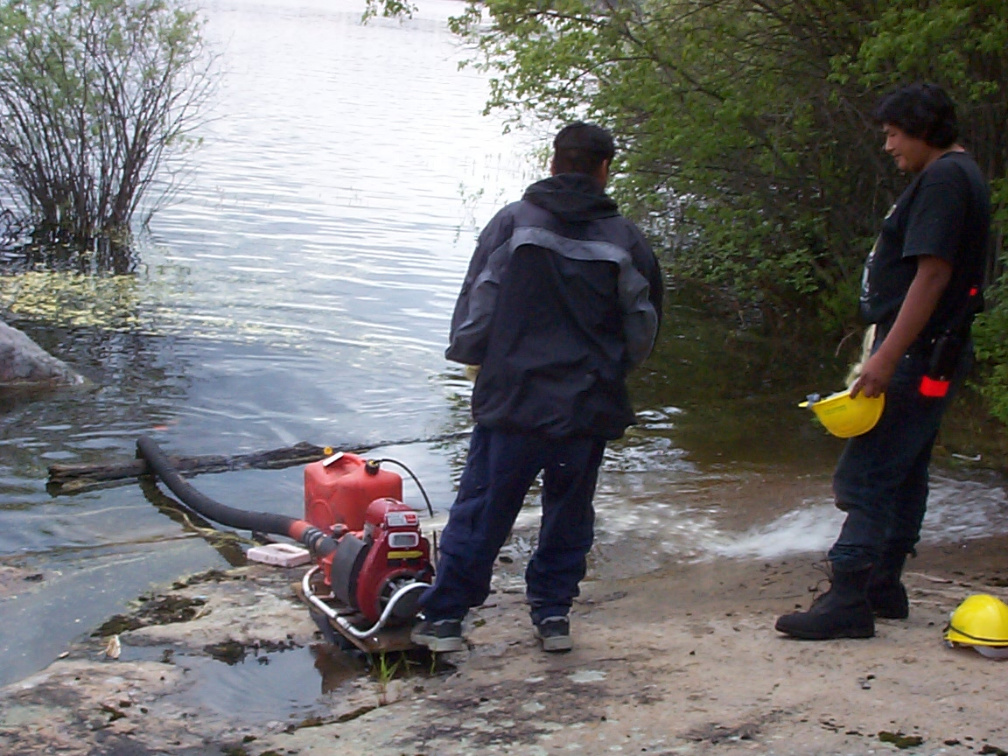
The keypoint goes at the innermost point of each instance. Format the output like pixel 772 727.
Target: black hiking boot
pixel 842 612
pixel 886 594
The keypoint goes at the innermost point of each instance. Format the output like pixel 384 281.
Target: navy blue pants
pixel 881 480
pixel 500 469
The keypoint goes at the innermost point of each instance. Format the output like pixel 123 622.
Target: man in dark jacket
pixel 562 298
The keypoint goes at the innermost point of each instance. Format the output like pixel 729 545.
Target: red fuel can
pixel 339 489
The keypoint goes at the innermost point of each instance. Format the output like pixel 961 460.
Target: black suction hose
pixel 317 542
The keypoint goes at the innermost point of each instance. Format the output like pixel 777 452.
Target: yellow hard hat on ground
pixel 980 621
pixel 845 416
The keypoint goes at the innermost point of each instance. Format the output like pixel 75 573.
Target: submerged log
pixel 72 478
pixel 75 478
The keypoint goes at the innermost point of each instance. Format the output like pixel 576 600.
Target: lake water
pixel 300 290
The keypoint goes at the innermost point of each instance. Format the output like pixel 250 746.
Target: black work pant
pixel 500 469
pixel 881 480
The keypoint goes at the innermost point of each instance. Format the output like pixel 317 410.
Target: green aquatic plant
pixel 99 102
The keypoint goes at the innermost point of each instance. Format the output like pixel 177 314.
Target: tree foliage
pixel 98 99
pixel 746 140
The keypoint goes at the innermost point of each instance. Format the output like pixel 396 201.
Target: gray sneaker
pixel 554 634
pixel 440 636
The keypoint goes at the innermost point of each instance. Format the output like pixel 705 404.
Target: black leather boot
pixel 842 612
pixel 886 594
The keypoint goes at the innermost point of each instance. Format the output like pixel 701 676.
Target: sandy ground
pixel 683 661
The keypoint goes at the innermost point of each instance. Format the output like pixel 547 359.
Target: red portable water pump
pixel 382 561
pixel 371 561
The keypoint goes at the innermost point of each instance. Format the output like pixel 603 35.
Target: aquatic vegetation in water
pixel 161 610
pixel 229 651
pixel 72 299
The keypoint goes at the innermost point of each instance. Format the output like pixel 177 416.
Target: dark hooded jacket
pixel 563 296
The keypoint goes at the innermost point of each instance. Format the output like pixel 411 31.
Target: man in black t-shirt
pixel 920 283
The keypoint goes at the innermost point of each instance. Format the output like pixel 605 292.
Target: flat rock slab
pixel 682 661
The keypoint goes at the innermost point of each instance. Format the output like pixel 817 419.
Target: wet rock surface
pixel 681 661
pixel 24 363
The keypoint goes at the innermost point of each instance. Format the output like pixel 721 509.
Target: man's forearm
pixel 933 275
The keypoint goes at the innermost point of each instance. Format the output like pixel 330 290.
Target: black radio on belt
pixel 941 366
pixel 946 348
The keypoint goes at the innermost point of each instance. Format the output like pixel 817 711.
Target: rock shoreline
pixel 681 661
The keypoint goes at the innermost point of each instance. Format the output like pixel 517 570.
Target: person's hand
pixel 875 376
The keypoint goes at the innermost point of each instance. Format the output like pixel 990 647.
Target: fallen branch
pixel 75 478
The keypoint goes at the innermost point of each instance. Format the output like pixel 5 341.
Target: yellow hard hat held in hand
pixel 845 416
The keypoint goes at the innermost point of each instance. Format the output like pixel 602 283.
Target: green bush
pixel 746 143
pixel 98 98
pixel 992 355
pixel 746 146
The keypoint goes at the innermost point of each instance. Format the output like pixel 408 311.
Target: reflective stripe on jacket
pixel 562 297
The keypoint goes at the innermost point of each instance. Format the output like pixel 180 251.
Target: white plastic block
pixel 280 554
